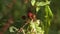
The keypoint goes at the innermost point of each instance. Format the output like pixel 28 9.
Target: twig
pixel 21 29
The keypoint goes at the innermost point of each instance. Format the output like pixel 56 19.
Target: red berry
pixel 30 15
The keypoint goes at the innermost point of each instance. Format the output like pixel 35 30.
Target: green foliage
pixel 19 9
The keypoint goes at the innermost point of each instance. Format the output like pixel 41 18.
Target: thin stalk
pixel 47 19
pixel 21 29
pixel 48 13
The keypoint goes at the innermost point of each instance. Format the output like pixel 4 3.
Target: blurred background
pixel 55 25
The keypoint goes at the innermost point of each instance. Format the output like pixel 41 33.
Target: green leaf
pixel 42 3
pixel 37 9
pixel 11 29
pixel 48 10
pixel 33 2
